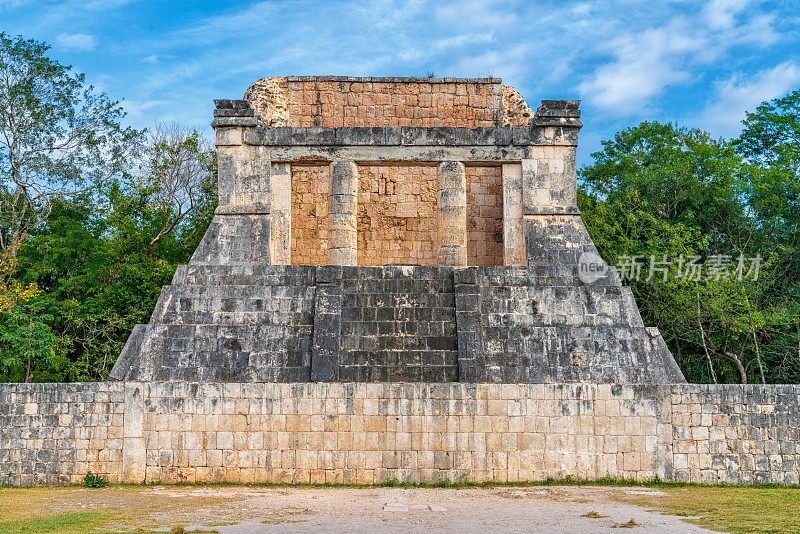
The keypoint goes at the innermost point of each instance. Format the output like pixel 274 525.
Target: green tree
pixel 675 174
pixel 102 269
pixel 176 182
pixel 58 137
pixel 771 134
pixel 26 343
pixel 668 192
pixel 770 143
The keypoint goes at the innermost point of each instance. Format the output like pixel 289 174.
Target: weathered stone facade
pixel 397 215
pixel 328 185
pixel 367 433
pixel 390 289
pixel 345 102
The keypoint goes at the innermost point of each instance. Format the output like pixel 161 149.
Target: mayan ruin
pixel 395 230
pixel 391 289
pixel 399 267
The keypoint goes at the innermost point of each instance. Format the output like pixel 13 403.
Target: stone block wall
pixel 397 215
pixel 336 102
pixel 395 324
pixel 383 198
pixel 484 215
pixel 55 433
pixel 735 434
pixel 525 326
pixel 397 210
pixel 283 323
pixel 358 197
pixel 227 323
pixel 367 433
pixel 310 214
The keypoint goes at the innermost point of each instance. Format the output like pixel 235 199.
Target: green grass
pixel 735 509
pixel 655 482
pixel 67 523
pixel 566 481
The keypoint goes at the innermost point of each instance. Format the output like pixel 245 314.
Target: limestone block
pixel 244 180
pixel 228 136
pixel 452 213
pixel 513 229
pixel 343 237
pixel 280 194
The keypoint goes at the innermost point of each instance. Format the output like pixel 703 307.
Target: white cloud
pixel 253 21
pixel 409 55
pixel 581 10
pixel 464 39
pixel 496 14
pixel 734 96
pixel 646 62
pixel 388 15
pixel 76 41
pixel 507 63
pixel 722 13
pixel 139 108
pixel 757 31
pixel 643 67
pixel 13 4
pixel 622 56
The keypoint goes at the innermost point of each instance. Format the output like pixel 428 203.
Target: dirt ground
pixel 240 510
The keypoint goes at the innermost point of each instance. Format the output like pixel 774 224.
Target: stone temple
pixel 397 285
pixel 395 230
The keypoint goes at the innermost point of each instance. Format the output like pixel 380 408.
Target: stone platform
pixel 368 433
pixel 393 287
pixel 395 230
pixel 264 323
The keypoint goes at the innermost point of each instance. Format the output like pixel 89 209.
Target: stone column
pixel 343 235
pixel 243 176
pixel 280 193
pixel 134 450
pixel 554 233
pixel 548 181
pixel 513 225
pixel 548 178
pixel 452 220
pixel 240 230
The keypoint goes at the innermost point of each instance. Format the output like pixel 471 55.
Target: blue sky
pixel 698 64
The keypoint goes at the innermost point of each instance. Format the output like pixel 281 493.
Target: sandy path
pixel 532 509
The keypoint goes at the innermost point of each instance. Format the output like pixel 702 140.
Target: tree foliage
pixel 101 271
pixel 668 192
pixel 58 137
pixel 94 217
pixel 174 178
pixel 27 344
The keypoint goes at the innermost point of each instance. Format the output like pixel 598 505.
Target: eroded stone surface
pixel 405 182
pixel 516 111
pixel 269 97
pixel 335 102
pixel 367 433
